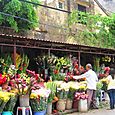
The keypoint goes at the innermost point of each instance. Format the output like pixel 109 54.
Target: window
pixel 81 8
pixel 60 5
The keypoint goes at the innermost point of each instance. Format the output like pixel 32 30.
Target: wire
pixel 65 10
pixel 53 8
pixel 6 14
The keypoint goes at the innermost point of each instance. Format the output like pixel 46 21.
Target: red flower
pixel 76 66
pixel 3 79
pixel 56 71
pixel 20 68
pixel 24 64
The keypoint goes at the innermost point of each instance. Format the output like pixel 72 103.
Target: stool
pixel 102 97
pixel 24 110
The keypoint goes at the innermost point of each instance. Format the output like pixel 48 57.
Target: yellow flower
pixel 33 96
pixel 6 98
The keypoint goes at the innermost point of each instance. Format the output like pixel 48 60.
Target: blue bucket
pixel 7 113
pixel 40 112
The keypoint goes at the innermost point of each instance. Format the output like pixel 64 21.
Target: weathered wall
pixel 54 25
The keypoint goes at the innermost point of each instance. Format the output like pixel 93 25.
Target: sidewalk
pixel 102 111
pixel 96 112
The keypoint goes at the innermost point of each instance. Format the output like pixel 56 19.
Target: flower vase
pixel 69 104
pixel 82 105
pixel 7 113
pixel 49 108
pixel 75 104
pixel 40 112
pixel 24 100
pixel 61 104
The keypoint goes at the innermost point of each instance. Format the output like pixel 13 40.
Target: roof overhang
pixel 24 42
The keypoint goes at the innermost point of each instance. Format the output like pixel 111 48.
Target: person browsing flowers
pixel 92 80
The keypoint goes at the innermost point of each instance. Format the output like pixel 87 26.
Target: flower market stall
pixel 47 85
pixel 27 88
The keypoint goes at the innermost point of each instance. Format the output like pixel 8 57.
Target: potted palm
pixel 52 87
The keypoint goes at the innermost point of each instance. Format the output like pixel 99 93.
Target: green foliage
pixel 52 87
pixel 38 105
pixel 21 9
pixel 98 30
pixel 11 104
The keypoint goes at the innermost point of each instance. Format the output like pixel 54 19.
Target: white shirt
pixel 111 81
pixel 91 79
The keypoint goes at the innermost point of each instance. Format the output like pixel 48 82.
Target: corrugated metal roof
pixel 58 42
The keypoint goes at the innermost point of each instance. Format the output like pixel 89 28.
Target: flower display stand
pixel 49 108
pixel 40 112
pixel 24 100
pixel 6 113
pixel 83 106
pixel 61 105
pixel 69 103
pixel 24 110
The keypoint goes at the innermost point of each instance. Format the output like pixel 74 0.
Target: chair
pixel 24 111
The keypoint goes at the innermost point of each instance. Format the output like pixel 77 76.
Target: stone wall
pixel 54 22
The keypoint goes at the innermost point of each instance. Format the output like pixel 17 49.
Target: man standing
pixel 92 80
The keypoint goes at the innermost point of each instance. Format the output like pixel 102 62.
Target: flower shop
pixel 36 76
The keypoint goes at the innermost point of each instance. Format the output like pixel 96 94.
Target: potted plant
pixel 38 101
pixel 9 107
pixel 52 87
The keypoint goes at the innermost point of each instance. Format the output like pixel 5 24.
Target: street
pixel 96 112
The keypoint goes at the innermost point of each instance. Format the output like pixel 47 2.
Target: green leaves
pixel 23 10
pixel 97 30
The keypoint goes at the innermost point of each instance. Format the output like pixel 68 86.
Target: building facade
pixel 54 22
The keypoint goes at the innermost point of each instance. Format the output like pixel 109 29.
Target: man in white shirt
pixel 92 80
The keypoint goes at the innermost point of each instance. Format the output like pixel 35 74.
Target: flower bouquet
pixel 105 84
pixel 62 92
pixel 25 83
pixel 82 95
pixel 4 98
pixel 9 107
pixel 52 87
pixel 82 104
pixel 38 100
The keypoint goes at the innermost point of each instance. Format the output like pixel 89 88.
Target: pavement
pixel 96 112
pixel 103 110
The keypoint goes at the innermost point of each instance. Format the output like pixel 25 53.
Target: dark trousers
pixel 111 94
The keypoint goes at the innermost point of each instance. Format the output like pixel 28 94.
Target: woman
pixel 111 88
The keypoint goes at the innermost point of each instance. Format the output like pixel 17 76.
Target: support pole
pixel 1 49
pixel 14 54
pixel 48 52
pixel 79 58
